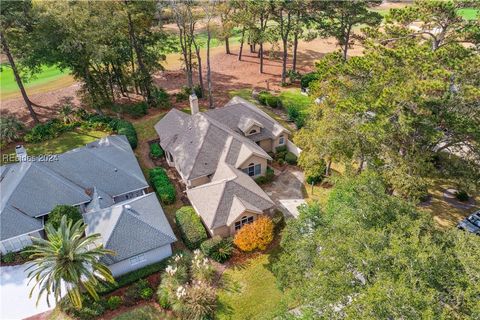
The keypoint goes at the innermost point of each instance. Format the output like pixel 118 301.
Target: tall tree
pixel 369 255
pixel 14 23
pixel 226 12
pixel 210 9
pixel 379 111
pixel 338 19
pixel 185 21
pixel 68 259
pixel 283 12
pixel 439 21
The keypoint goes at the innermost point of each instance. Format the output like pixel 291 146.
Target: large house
pixel 104 181
pixel 218 153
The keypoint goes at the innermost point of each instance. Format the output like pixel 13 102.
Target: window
pixel 245 220
pixel 253 169
pixel 137 259
pixel 252 131
pixel 281 140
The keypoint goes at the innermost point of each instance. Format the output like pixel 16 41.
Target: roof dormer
pixel 250 126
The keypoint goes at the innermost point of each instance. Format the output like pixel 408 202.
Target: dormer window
pixel 253 131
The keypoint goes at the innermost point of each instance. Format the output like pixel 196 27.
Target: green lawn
pixel 250 292
pixel 63 143
pixel 8 86
pixel 294 98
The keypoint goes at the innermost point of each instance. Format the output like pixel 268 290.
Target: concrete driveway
pixel 286 190
pixel 14 300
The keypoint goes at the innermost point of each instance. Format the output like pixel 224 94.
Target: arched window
pixel 253 169
pixel 243 221
pixel 252 131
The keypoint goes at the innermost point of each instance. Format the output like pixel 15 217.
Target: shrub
pixel 300 121
pixel 293 75
pixel 268 177
pixel 163 298
pixel 462 195
pixel 114 302
pixel 162 185
pixel 162 99
pixel 25 253
pixel 126 128
pixel 198 91
pixel 191 228
pixel 133 276
pixel 55 216
pixel 307 78
pixel 256 235
pixel 90 310
pixel 11 129
pixel 292 113
pixel 263 96
pixel 136 110
pixel 156 152
pixel 146 293
pixel 273 101
pixel 181 96
pixel 9 257
pixel 281 148
pixel 48 130
pixel 197 301
pixel 217 248
pixel 290 158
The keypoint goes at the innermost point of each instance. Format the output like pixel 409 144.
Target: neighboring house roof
pixel 32 189
pixel 131 227
pixel 239 115
pixel 196 143
pixel 230 193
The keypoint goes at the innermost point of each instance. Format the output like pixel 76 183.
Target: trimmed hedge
pixel 191 227
pixel 48 130
pixel 162 185
pixel 268 99
pixel 156 152
pixel 290 158
pixel 126 128
pixel 133 276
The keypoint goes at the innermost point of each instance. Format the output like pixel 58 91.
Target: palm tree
pixel 69 261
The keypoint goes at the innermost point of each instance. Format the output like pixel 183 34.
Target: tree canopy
pixel 370 255
pixel 403 109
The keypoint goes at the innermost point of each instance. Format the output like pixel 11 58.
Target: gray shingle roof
pixel 131 227
pixel 239 115
pixel 230 193
pixel 197 142
pixel 31 189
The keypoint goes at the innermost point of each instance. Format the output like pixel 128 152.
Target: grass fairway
pixel 49 78
pixel 250 293
pixel 62 143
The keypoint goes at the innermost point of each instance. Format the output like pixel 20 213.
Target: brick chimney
pixel 193 103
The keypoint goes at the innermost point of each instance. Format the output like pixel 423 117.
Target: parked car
pixel 471 223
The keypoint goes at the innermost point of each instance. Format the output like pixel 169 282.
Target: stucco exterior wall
pixel 266 144
pixel 149 257
pixel 276 141
pixel 247 214
pixel 255 160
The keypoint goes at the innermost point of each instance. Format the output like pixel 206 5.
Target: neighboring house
pixel 204 146
pixel 136 229
pixel 97 176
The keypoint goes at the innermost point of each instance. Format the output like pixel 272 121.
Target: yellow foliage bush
pixel 256 235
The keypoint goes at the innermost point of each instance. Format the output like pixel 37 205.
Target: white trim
pixel 24 234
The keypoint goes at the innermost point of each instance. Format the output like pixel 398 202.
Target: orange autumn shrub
pixel 256 235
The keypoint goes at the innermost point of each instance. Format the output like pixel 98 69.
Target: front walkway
pixel 14 300
pixel 286 190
